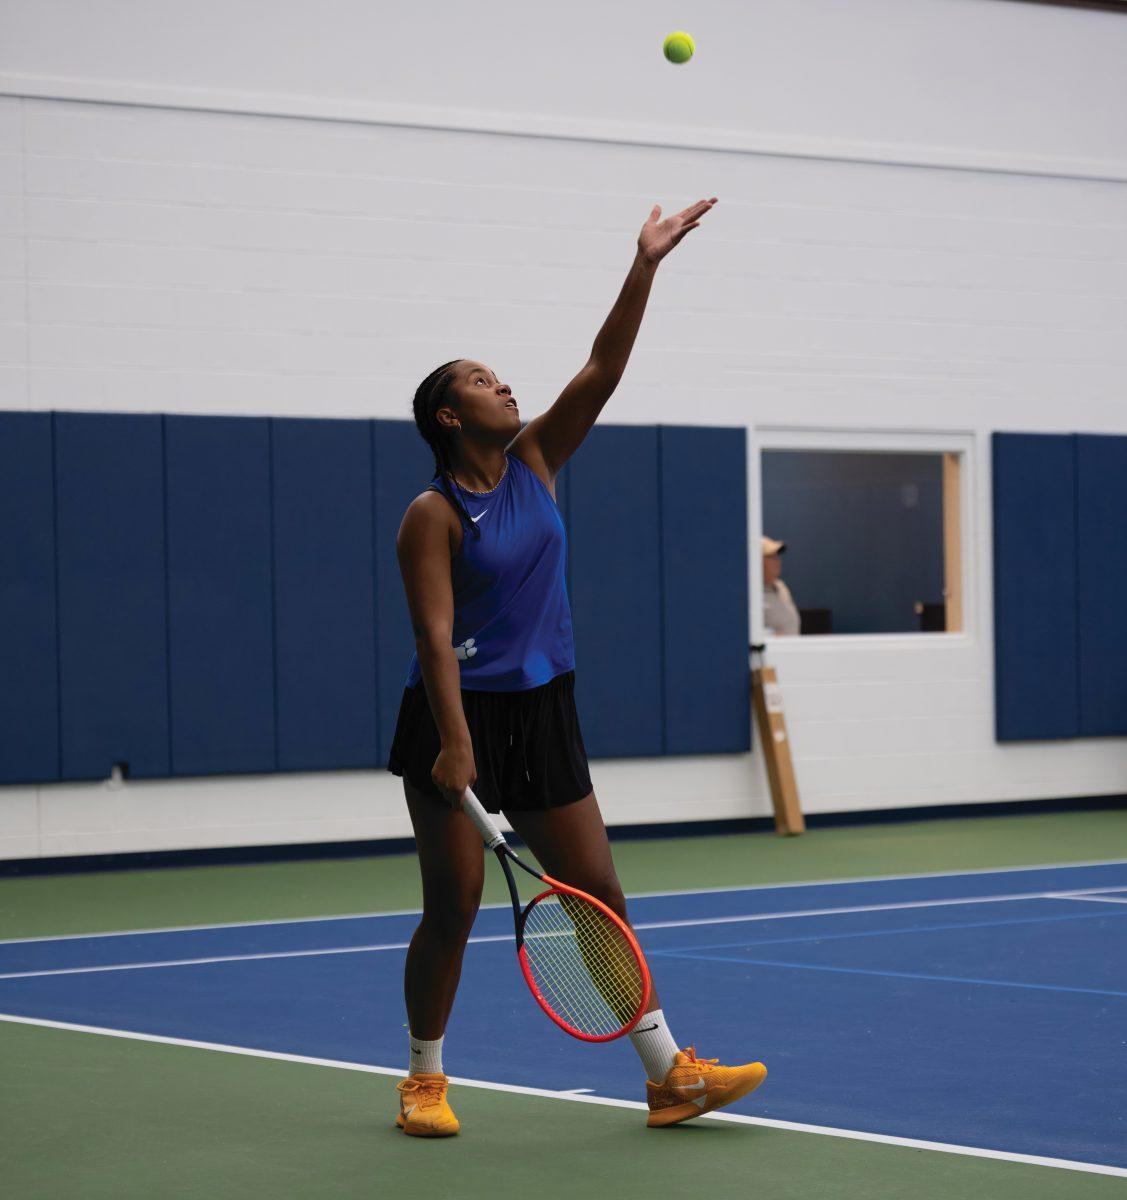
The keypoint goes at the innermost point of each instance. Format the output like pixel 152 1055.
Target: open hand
pixel 658 237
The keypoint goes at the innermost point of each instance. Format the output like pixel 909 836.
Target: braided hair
pixel 430 396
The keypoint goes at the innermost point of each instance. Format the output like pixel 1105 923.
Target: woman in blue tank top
pixel 488 700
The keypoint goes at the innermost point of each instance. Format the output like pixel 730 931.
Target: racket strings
pixel 583 964
pixel 572 972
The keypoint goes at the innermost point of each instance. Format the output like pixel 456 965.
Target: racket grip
pixel 491 835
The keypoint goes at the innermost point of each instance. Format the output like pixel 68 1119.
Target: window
pixel 860 541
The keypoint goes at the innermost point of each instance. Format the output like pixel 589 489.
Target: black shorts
pixel 528 749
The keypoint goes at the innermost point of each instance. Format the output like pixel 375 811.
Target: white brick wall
pixel 13 257
pixel 930 81
pixel 160 260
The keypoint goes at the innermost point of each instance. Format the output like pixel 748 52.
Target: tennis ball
pixel 679 46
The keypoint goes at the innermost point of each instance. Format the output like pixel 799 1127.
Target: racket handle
pixel 491 835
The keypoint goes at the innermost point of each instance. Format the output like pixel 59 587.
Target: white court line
pixel 1089 899
pixel 576 1097
pixel 862 908
pixel 1079 893
pixel 414 912
pixel 361 916
pixel 226 958
pixel 759 887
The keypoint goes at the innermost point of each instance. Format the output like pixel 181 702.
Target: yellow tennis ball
pixel 679 46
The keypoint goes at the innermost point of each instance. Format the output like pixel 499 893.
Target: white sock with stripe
pixel 655 1045
pixel 425 1056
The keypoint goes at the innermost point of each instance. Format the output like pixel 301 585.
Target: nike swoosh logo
pixel 408 1111
pixel 415 1050
pixel 646 1028
pixel 479 516
pixel 699 1086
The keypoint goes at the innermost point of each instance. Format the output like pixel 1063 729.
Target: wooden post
pixel 952 544
pixel 771 720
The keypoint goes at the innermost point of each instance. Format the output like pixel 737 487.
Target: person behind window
pixel 780 615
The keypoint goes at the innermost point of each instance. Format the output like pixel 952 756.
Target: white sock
pixel 425 1056
pixel 655 1045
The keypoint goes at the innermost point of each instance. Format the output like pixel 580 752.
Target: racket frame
pixel 495 840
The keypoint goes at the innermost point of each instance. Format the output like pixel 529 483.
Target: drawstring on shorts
pixel 523 749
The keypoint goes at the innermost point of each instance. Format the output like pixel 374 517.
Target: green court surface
pixel 97 1117
pixel 90 1116
pixel 96 902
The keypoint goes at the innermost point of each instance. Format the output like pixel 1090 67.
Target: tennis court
pixel 696 433
pixel 976 1013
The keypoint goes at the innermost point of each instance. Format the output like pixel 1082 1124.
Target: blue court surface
pixel 982 1010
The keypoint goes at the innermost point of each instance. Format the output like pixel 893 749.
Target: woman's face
pixel 772 568
pixel 484 402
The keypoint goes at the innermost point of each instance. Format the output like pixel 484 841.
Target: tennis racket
pixel 580 960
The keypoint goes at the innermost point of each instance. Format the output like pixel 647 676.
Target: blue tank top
pixel 512 619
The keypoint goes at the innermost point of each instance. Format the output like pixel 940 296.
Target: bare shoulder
pixel 525 447
pixel 427 518
pixel 426 506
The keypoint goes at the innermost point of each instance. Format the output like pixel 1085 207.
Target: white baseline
pixel 734 1118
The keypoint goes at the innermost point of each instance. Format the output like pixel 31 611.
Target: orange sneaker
pixel 693 1086
pixel 423 1111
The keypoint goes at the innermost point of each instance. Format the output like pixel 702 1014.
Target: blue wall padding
pixel 221 655
pixel 402 467
pixel 324 589
pixel 1035 586
pixel 1101 558
pixel 704 579
pixel 562 503
pixel 223 594
pixel 29 697
pixel 616 590
pixel 111 572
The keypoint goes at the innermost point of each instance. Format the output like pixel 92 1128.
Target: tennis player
pixel 489 698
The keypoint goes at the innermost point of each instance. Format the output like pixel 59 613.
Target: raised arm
pixel 554 436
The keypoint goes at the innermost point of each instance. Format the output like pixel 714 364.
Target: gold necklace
pixel 473 492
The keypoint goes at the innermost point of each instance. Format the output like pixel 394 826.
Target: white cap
pixel 770 546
